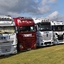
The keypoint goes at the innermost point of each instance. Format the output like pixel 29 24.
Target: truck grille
pixel 47 36
pixel 5 49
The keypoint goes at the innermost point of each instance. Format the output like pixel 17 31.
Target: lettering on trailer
pixel 27 35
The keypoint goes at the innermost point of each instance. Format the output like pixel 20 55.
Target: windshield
pixel 7 29
pixel 27 28
pixel 44 27
pixel 58 28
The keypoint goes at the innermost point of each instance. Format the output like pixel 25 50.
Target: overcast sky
pixel 52 9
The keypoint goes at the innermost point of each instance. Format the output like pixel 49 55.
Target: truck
pixel 44 33
pixel 26 33
pixel 58 30
pixel 8 39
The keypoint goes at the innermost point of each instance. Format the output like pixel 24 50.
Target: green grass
pixel 47 55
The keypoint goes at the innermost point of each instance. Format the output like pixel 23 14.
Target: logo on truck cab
pixel 27 35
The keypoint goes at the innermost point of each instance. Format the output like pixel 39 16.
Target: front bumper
pixel 7 50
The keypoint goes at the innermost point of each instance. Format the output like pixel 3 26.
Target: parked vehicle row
pixel 22 33
pixel 49 32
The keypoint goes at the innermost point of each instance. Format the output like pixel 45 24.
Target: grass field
pixel 47 55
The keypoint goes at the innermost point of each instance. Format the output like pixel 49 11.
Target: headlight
pixel 11 37
pixel 21 46
pixel 56 33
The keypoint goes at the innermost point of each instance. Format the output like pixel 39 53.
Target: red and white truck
pixel 26 33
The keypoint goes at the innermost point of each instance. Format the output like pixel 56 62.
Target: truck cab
pixel 58 30
pixel 26 33
pixel 8 40
pixel 44 33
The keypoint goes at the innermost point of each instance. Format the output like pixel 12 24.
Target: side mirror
pixel 35 27
pixel 17 30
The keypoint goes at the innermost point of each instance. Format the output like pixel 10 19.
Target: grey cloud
pixel 24 6
pixel 55 16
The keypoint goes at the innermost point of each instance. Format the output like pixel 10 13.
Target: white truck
pixel 44 33
pixel 58 30
pixel 8 40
